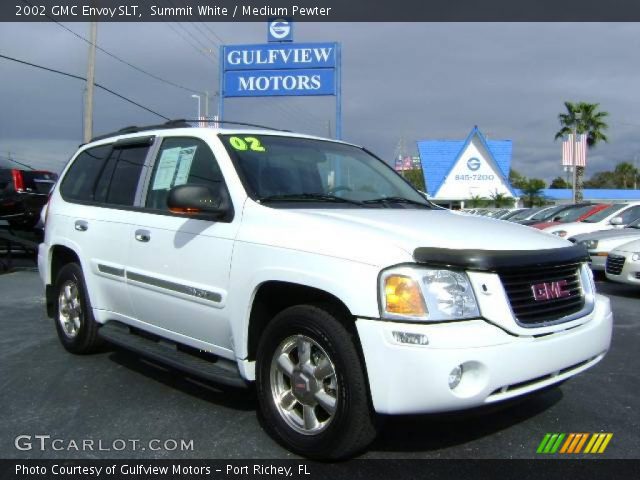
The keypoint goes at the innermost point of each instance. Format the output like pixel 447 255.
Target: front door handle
pixel 143 235
pixel 81 225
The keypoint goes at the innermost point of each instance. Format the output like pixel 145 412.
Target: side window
pixel 181 161
pixel 125 174
pixel 630 215
pixel 80 179
pixel 5 178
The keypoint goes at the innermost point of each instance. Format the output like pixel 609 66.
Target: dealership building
pixel 456 171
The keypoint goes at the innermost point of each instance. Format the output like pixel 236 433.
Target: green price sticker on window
pixel 246 143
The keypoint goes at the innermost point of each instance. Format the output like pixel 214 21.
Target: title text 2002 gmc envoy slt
pixel 312 268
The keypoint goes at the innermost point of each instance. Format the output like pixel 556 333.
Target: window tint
pixel 181 161
pixel 80 179
pixel 126 174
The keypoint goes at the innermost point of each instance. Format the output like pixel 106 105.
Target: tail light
pixel 45 211
pixel 18 180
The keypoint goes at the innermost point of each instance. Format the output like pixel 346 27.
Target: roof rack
pixel 179 123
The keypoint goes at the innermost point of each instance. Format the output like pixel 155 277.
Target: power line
pixel 197 49
pixel 205 26
pixel 78 77
pixel 200 31
pixel 115 57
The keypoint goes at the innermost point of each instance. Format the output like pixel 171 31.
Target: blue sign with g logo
pixel 280 30
pixel 473 164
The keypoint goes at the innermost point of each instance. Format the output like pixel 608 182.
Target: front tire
pixel 311 385
pixel 76 327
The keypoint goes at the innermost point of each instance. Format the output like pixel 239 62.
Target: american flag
pixel 569 145
pixel 405 163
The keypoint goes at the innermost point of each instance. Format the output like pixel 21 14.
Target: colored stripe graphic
pixel 550 443
pixel 573 443
pixel 598 443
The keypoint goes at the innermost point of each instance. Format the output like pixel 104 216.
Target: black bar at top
pixel 328 10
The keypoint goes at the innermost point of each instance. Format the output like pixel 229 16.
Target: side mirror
pixel 555 219
pixel 616 221
pixel 199 201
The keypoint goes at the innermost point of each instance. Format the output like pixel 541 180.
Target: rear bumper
pixel 497 366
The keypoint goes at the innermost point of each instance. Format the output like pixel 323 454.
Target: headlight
pixel 560 233
pixel 635 257
pixel 426 294
pixel 590 244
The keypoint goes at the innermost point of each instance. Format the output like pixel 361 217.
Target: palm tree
pixel 586 118
pixel 625 172
pixel 499 199
pixel 533 192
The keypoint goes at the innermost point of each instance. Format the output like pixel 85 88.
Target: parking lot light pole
pixel 197 97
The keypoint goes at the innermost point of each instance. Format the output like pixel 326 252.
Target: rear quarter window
pixel 80 180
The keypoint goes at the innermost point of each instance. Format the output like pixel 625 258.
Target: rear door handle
pixel 81 226
pixel 143 235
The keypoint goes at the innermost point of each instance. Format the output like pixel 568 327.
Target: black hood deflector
pixel 494 260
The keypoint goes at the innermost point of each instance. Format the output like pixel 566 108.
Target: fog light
pixel 455 376
pixel 410 338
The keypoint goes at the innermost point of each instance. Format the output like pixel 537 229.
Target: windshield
pixel 285 170
pixel 547 213
pixel 524 214
pixel 634 224
pixel 572 215
pixel 604 213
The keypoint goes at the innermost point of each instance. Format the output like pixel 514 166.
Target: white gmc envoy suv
pixel 311 268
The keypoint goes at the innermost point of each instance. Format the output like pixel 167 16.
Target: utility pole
pixel 91 73
pixel 206 104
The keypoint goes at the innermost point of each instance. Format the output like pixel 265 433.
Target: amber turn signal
pixel 403 296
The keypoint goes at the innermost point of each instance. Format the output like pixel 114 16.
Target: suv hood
pixel 385 236
pixel 633 246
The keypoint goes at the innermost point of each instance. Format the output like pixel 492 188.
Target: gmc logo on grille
pixel 549 291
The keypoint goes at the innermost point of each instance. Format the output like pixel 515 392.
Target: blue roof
pixel 589 194
pixel 438 157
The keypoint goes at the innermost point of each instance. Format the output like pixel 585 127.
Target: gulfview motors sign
pixel 280 69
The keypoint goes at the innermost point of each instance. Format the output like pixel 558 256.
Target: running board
pixel 164 351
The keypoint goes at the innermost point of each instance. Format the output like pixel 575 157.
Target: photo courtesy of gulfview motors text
pixel 317 243
pixel 176 469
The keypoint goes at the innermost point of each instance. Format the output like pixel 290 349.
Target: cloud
pixel 401 80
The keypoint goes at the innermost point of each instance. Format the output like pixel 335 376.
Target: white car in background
pixel 600 243
pixel 623 263
pixel 617 215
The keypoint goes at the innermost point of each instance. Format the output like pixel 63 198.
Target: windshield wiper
pixel 295 197
pixel 396 200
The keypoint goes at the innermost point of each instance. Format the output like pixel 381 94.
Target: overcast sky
pixel 413 81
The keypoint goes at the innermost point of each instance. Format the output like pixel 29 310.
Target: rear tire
pixel 76 327
pixel 311 385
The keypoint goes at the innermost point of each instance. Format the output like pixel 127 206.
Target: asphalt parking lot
pixel 116 395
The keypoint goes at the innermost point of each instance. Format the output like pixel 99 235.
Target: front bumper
pixel 407 379
pixel 630 273
pixel 598 262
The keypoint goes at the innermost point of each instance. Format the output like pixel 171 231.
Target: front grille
pixel 614 264
pixel 518 284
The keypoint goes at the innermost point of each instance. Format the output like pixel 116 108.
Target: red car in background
pixel 574 215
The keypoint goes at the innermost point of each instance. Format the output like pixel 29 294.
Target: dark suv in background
pixel 23 193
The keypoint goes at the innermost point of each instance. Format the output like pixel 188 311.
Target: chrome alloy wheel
pixel 304 385
pixel 69 309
